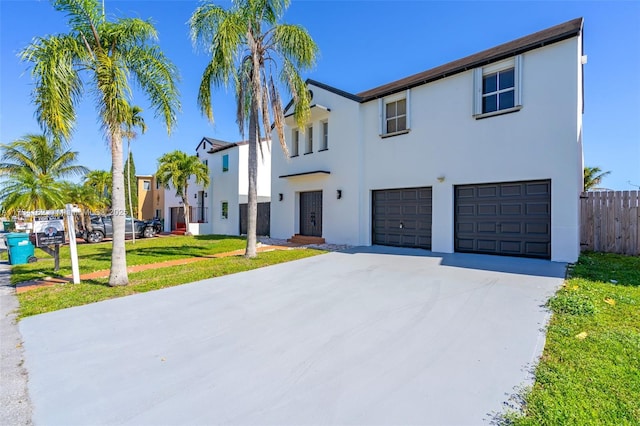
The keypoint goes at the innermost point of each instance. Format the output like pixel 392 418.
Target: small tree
pixel 131 188
pixel 100 181
pixel 593 176
pixel 175 169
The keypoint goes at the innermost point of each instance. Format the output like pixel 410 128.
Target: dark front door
pixel 311 213
pixel 507 218
pixel 402 217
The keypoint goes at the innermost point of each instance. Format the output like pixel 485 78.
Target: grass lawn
pixel 590 370
pixel 97 257
pixel 62 296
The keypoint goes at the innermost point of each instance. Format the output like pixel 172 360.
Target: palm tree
pixel 134 120
pixel 593 176
pixel 86 198
pixel 175 169
pixel 248 46
pixel 31 172
pixel 100 182
pixel 107 54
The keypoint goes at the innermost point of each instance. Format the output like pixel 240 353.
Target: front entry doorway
pixel 311 213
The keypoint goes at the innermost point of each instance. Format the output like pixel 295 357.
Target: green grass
pixel 61 296
pixel 589 373
pixel 97 257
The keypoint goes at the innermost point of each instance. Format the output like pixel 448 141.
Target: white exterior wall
pixel 225 187
pixel 538 142
pixel 541 141
pixel 342 160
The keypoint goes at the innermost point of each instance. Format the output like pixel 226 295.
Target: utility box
pixel 20 249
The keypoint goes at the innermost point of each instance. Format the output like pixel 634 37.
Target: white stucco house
pixel 482 155
pixel 215 209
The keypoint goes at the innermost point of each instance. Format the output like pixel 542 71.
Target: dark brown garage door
pixel 402 217
pixel 504 218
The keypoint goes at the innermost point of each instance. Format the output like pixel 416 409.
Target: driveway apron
pixel 370 336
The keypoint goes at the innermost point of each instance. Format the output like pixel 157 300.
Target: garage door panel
pixel 487 210
pixel 516 221
pixel 511 209
pixel 538 209
pixel 402 217
pixel 510 190
pixel 537 228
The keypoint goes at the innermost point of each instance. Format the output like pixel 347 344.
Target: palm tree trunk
pixel 185 206
pixel 252 195
pixel 118 274
pixel 133 232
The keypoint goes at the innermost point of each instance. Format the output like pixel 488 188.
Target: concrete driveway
pixel 372 336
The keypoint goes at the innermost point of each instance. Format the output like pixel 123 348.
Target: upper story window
pixel 309 142
pixel 146 185
pixel 295 143
pixel 498 88
pixel 157 184
pixel 225 163
pixel 396 116
pixel 395 113
pixel 324 141
pixel 205 162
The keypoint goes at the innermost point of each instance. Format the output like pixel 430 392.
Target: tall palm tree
pixel 100 182
pixel 248 47
pixel 175 169
pixel 31 172
pixel 593 176
pixel 134 120
pixel 104 55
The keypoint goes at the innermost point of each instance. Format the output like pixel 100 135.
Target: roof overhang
pixel 315 173
pixel 318 112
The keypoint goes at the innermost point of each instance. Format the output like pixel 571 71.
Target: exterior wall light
pixel 339 194
pixel 440 178
pixel 280 197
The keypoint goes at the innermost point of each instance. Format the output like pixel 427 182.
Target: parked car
pixel 156 223
pixel 102 227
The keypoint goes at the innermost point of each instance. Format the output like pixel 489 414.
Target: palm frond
pixel 295 44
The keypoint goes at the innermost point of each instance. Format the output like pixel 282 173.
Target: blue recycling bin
pixel 20 249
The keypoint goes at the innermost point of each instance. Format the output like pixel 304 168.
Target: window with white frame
pixel 146 185
pixel 295 143
pixel 395 116
pixel 309 144
pixel 224 210
pixel 324 141
pixel 498 87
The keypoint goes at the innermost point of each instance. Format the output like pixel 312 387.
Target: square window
pixel 225 210
pixel 498 91
pixel 146 185
pixel 497 87
pixel 225 163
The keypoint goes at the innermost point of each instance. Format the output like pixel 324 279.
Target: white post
pixel 72 245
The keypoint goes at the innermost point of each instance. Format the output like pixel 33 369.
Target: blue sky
pixel 362 44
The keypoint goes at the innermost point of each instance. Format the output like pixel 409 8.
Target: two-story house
pixel 220 208
pixel 482 155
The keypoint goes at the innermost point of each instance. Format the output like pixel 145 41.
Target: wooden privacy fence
pixel 610 222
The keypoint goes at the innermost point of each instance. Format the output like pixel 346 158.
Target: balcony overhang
pixel 318 112
pixel 315 173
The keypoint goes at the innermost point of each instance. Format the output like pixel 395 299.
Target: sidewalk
pixel 30 285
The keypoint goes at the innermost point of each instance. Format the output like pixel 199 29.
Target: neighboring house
pixel 482 155
pixel 216 208
pixel 150 198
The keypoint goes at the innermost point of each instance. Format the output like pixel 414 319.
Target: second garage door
pixel 402 217
pixel 511 218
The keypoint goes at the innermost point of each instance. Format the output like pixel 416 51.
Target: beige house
pixel 150 198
